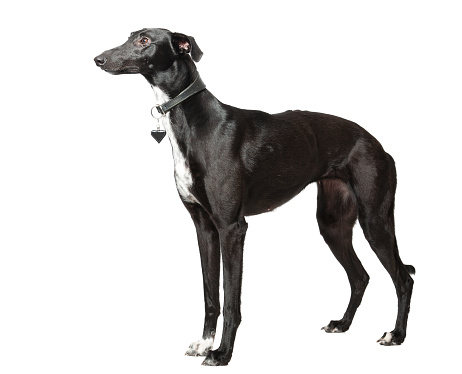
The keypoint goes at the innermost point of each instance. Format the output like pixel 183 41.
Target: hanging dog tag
pixel 158 134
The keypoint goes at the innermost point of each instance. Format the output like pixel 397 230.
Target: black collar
pixel 192 89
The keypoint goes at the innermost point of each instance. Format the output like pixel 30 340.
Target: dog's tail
pixel 410 269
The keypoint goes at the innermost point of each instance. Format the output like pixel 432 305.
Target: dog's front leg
pixel 209 248
pixel 232 245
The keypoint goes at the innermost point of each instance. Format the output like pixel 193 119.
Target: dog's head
pixel 148 52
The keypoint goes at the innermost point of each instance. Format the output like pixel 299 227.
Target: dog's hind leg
pixel 336 215
pixel 374 184
pixel 209 248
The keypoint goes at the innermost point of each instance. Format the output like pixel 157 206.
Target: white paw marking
pixel 200 348
pixel 387 339
pixel 183 177
pixel 328 329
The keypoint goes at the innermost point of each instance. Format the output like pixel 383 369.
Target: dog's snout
pixel 100 60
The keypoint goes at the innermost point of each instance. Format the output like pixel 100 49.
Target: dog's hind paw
pixel 329 329
pixel 200 348
pixel 336 327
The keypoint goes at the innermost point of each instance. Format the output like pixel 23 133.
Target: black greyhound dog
pixel 231 163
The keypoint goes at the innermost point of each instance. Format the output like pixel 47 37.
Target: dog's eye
pixel 144 41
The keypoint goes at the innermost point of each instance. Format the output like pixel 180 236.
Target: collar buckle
pixel 160 109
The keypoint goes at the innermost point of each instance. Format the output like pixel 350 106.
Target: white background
pixel 99 267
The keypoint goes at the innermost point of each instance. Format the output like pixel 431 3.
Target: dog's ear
pixel 186 44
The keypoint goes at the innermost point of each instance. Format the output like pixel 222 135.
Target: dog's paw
pixel 200 348
pixel 336 327
pixel 210 362
pixel 386 339
pixel 391 338
pixel 216 358
pixel 330 329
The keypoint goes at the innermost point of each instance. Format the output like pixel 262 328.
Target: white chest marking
pixel 183 177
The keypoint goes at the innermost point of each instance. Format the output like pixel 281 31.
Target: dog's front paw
pixel 216 358
pixel 391 338
pixel 200 348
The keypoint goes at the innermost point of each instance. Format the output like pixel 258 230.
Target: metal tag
pixel 158 135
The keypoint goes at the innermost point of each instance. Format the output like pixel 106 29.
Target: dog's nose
pixel 100 60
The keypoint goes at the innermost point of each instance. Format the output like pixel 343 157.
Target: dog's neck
pixel 179 122
pixel 174 121
pixel 168 102
pixel 175 79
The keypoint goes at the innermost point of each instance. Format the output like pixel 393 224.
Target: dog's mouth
pixel 124 70
pixel 114 67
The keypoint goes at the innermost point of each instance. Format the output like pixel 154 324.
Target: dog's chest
pixel 183 176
